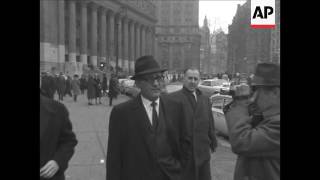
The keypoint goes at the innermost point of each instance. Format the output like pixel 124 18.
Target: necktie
pixel 154 115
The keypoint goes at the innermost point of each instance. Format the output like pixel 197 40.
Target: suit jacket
pixel 198 135
pixel 57 141
pixel 135 150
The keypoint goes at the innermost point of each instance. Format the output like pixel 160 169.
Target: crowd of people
pixel 92 85
pixel 171 136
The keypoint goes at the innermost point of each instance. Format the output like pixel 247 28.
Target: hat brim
pixel 150 71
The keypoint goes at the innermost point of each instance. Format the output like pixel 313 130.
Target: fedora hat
pixel 267 74
pixel 146 65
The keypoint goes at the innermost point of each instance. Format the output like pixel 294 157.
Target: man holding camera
pixel 253 120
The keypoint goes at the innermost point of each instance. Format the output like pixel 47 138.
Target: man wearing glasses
pixel 253 120
pixel 143 132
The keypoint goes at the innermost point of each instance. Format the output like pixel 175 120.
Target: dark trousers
pixel 110 100
pixel 190 172
pixel 60 94
pixel 75 98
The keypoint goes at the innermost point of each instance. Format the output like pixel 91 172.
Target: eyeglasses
pixel 150 79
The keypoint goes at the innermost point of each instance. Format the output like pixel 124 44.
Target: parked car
pixel 219 101
pixel 213 86
pixel 128 87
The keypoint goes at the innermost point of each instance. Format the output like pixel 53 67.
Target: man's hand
pixel 49 170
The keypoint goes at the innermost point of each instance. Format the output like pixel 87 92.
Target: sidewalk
pixel 90 123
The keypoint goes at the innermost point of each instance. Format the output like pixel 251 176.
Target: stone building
pixel 177 34
pixel 275 37
pixel 77 34
pixel 248 46
pixel 205 49
pixel 221 44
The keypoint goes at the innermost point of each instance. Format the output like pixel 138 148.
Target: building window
pixel 66 57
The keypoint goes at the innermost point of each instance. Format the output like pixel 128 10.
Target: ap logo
pixel 263 13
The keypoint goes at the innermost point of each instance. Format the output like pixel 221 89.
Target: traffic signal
pixel 102 65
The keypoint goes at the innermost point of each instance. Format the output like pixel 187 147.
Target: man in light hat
pixel 144 137
pixel 255 140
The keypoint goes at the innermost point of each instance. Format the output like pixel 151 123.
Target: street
pixel 90 123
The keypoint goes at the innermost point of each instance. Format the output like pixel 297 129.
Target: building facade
pixel 275 36
pixel 76 35
pixel 177 34
pixel 205 49
pixel 221 52
pixel 248 46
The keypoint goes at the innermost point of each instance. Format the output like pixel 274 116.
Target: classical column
pixel 125 58
pixel 131 48
pixel 148 41
pixel 83 32
pixel 111 43
pixel 119 44
pixel 153 42
pixel 138 54
pixel 102 36
pixel 71 68
pixel 61 40
pixel 143 40
pixel 93 35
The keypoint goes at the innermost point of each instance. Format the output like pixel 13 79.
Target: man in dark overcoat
pixel 256 141
pixel 143 132
pixel 57 140
pixel 198 135
pixel 61 86
pixel 113 88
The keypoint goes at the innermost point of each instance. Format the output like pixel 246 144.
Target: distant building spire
pixel 205 21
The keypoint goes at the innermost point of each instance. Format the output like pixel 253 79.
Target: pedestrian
pixel 91 91
pixel 83 83
pixel 57 140
pixel 68 86
pixel 143 136
pixel 61 85
pixel 256 141
pixel 198 135
pixel 98 88
pixel 113 88
pixel 104 84
pixel 75 85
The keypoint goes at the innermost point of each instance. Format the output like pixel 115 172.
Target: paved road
pixel 90 124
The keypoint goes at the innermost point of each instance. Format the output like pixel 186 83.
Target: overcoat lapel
pixel 143 122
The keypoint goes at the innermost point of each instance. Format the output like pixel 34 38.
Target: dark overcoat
pixel 198 134
pixel 61 84
pixel 91 91
pixel 135 150
pixel 57 140
pixel 113 87
pixel 98 87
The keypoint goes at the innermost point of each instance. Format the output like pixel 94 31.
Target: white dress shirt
pixel 147 106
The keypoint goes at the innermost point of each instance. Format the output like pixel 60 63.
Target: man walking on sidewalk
pixel 143 133
pixel 198 135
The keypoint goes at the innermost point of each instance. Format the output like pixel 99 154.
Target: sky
pixel 219 12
